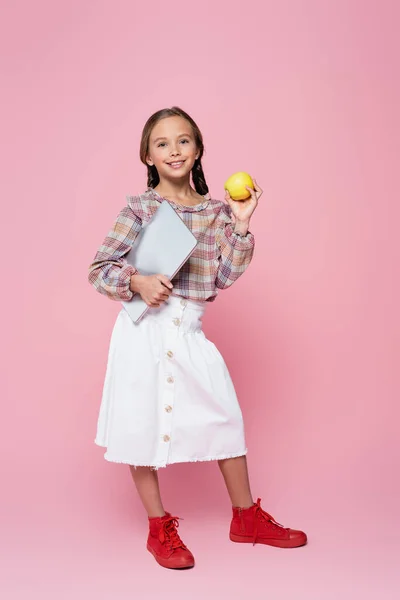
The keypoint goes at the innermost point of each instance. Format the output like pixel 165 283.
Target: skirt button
pixel 166 438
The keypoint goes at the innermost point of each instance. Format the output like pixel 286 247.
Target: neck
pixel 179 190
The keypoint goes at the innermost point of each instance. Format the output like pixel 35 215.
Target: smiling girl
pixel 168 396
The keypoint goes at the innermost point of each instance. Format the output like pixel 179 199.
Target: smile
pixel 176 164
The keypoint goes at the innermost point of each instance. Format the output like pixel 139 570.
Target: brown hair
pixel 153 177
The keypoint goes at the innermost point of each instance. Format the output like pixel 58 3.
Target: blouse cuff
pixel 124 280
pixel 241 242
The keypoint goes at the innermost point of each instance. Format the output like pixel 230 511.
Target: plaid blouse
pixel 218 260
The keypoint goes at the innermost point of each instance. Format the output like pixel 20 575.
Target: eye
pixel 161 144
pixel 187 141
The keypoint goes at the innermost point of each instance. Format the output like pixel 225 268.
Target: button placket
pixel 178 319
pixel 169 376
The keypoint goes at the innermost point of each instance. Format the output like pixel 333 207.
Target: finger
pixel 256 186
pixel 228 197
pixel 165 281
pixel 252 192
pixel 164 291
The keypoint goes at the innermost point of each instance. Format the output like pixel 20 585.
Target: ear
pixel 198 154
pixel 149 161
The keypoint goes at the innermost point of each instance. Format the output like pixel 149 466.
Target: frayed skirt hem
pixel 179 460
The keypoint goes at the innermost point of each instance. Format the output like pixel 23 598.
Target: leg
pixel 163 541
pixel 250 523
pixel 236 476
pixel 146 481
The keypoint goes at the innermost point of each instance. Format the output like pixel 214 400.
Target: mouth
pixel 176 164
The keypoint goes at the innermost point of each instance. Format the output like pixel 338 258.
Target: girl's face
pixel 172 148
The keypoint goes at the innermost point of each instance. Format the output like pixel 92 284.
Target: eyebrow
pixel 179 136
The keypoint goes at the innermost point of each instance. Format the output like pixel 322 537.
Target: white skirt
pixel 168 396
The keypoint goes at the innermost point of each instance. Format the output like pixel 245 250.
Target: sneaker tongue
pixel 161 536
pixel 172 533
pixel 168 531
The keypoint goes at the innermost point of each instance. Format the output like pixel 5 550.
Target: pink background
pixel 305 96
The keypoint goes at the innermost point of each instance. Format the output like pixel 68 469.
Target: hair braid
pixel 199 180
pixel 153 177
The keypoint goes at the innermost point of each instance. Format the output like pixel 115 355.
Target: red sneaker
pixel 165 544
pixel 256 525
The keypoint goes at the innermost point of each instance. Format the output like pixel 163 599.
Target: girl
pixel 168 396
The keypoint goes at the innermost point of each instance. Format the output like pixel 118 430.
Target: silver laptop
pixel 163 246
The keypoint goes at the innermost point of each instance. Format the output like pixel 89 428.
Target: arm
pixel 109 272
pixel 236 245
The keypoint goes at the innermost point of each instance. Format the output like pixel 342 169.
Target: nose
pixel 174 150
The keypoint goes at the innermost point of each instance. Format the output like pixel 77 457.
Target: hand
pixel 154 289
pixel 242 210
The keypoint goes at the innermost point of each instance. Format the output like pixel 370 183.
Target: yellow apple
pixel 236 185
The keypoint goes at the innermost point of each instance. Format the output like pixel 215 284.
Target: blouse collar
pixel 181 207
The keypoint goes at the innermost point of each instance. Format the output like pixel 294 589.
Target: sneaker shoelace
pixel 261 516
pixel 168 533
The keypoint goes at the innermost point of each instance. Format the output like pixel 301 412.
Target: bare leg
pixel 236 478
pixel 146 481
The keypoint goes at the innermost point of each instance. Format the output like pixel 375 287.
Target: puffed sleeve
pixel 109 272
pixel 236 251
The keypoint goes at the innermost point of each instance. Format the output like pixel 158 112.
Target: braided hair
pixel 153 177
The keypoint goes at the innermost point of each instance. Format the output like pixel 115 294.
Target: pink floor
pixel 66 548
